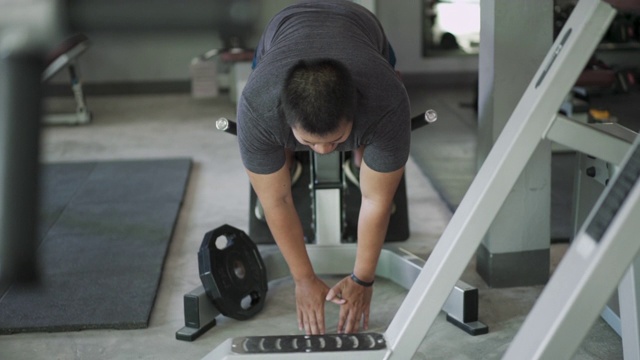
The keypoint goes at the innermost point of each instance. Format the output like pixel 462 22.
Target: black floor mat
pixel 104 232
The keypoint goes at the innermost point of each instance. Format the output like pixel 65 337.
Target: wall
pixel 158 57
pixel 153 57
pixel 142 57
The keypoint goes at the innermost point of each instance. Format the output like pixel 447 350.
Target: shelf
pixel 633 45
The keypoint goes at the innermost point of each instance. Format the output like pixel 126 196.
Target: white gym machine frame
pixel 534 119
pixel 601 252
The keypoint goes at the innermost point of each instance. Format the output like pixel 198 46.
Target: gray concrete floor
pixel 146 127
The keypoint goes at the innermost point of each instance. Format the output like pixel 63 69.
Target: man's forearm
pixel 372 229
pixel 286 229
pixel 274 193
pixel 378 190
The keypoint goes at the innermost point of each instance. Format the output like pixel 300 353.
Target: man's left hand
pixel 355 310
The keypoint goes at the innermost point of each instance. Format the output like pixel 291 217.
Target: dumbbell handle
pixel 226 125
pixel 421 120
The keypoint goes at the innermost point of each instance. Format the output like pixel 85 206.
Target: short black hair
pixel 317 95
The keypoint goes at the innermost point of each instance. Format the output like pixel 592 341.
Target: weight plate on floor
pixel 232 272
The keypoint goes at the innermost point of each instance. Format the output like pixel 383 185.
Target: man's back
pixel 339 30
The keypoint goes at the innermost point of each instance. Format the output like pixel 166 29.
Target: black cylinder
pixel 20 115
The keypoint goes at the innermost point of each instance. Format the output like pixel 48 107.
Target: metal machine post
pixel 25 29
pixel 326 189
pixel 20 108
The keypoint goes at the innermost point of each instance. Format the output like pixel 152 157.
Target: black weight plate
pixel 232 274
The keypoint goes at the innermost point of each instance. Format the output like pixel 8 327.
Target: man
pixel 324 80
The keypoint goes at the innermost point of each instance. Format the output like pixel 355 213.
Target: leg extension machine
pixel 330 256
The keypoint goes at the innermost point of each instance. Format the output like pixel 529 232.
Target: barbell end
pixel 427 118
pixel 222 124
pixel 226 125
pixel 430 115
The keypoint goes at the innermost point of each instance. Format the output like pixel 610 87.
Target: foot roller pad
pixel 308 343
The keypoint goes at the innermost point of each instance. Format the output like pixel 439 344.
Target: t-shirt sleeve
pixel 259 149
pixel 389 144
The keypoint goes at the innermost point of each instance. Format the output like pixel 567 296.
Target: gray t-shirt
pixel 339 30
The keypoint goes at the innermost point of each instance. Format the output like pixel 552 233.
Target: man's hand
pixel 355 307
pixel 310 300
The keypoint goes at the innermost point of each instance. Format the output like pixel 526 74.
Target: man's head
pixel 318 101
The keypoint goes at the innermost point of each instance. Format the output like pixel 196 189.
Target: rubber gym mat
pixel 105 228
pixel 398 229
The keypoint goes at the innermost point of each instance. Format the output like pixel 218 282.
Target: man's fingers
pixel 338 301
pixel 309 325
pixel 335 297
pixel 349 321
pixel 330 295
pixel 365 320
pixel 352 322
pixel 320 322
pixel 314 324
pixel 342 318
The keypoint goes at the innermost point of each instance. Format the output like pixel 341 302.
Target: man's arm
pixel 378 190
pixel 274 192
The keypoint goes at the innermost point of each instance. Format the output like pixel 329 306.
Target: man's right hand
pixel 310 300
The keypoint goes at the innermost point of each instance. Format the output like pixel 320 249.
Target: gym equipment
pixel 65 56
pixel 307 344
pixel 330 255
pixel 534 119
pixel 350 202
pixel 592 267
pixel 27 30
pixel 398 227
pixel 234 282
pixel 621 30
pixel 429 116
pixel 592 176
pixel 327 187
pixel 232 272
